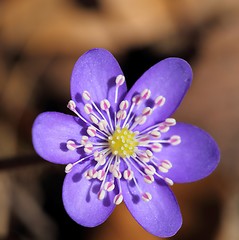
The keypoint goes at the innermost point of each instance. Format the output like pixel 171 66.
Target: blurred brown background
pixel 39 42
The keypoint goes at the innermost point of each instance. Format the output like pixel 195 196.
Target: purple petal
pixel 194 158
pixel 161 215
pixel 96 71
pixel 80 198
pixel 50 132
pixel 169 78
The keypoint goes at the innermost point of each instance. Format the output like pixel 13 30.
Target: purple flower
pixel 123 146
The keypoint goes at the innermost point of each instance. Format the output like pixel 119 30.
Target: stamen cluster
pixel 117 147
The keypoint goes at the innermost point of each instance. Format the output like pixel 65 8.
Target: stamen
pixel 91 131
pixel 94 119
pixel 88 108
pixel 170 121
pixel 155 133
pixel 136 99
pixel 144 157
pixel 149 170
pixel 139 120
pixel 71 145
pixel 159 101
pixel 146 196
pixel 72 106
pixel 162 127
pixel 147 111
pixel 162 169
pixel 102 126
pixel 68 167
pixel 175 140
pixel 84 140
pixel 128 174
pixel 101 174
pixel 118 199
pixel 121 115
pixel 101 194
pixel 165 166
pixel 145 94
pixel 109 186
pixel 149 179
pixel 88 148
pixel 92 173
pixel 124 105
pixel 169 181
pixel 156 147
pixel 120 79
pixel 86 95
pixel 149 153
pixel 105 104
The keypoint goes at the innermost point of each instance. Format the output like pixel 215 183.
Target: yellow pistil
pixel 122 142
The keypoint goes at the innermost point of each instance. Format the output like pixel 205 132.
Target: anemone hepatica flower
pixel 124 146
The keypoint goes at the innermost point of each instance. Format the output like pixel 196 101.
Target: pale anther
pixel 146 196
pixel 162 169
pixel 149 178
pixel 156 147
pixel 169 181
pixel 99 157
pixel 145 94
pixel 124 105
pixel 162 127
pixel 170 121
pixel 84 140
pixel 116 173
pixel 155 134
pixel 144 140
pixel 88 108
pixel 71 105
pixel 147 111
pixel 101 194
pixel 93 173
pixel 105 104
pixel 88 148
pixel 175 140
pixel 109 186
pixel 149 153
pixel 121 114
pixel 71 145
pixel 91 131
pixel 144 157
pixel 68 167
pixel 86 95
pixel 101 174
pixel 136 99
pixel 166 164
pixel 160 101
pixel 128 174
pixel 149 170
pixel 94 119
pixel 120 79
pixel 140 120
pixel 102 125
pixel 118 199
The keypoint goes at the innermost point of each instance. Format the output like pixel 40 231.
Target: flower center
pixel 123 143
